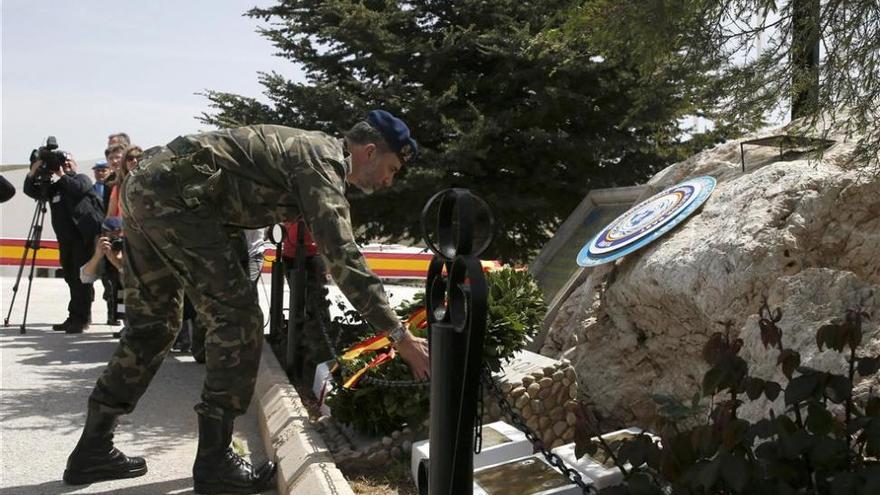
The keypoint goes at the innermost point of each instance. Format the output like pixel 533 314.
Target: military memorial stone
pixel 646 221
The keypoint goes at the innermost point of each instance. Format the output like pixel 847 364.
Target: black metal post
pixel 297 306
pixel 276 290
pixel 456 299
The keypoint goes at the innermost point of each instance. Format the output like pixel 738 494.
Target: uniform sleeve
pixel 327 212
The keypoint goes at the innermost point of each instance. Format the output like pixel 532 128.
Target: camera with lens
pixel 116 244
pixel 53 159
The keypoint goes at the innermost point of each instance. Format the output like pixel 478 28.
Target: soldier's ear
pixel 370 149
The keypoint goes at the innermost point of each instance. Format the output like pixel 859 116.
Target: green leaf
pixel 835 336
pixel 642 484
pixel 801 388
pixel 683 449
pixel 844 484
pixel 789 360
pixel 838 388
pixel 872 480
pixel 754 387
pixel 705 440
pixel 824 336
pixel 708 474
pixel 771 390
pixel 872 438
pixel 827 452
pixel 735 433
pixel 767 451
pixel 712 380
pixel 872 407
pixel 771 335
pixel 794 445
pixel 867 366
pixel 819 420
pixel 633 451
pixel 735 471
pixel 764 428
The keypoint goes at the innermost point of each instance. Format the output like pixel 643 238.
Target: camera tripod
pixel 32 244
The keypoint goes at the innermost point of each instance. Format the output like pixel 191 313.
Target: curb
pixel 304 461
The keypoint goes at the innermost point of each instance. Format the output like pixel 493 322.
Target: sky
pixel 81 70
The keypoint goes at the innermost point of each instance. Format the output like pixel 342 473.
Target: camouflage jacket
pixel 265 174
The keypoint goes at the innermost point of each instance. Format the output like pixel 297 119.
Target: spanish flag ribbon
pixel 418 320
pixel 491 265
pixel 377 361
pixel 376 343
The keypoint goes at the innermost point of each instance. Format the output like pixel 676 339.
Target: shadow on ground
pixel 181 486
pixel 67 366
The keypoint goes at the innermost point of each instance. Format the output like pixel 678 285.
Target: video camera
pixel 53 159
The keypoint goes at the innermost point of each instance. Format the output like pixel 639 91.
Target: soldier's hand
pixel 414 351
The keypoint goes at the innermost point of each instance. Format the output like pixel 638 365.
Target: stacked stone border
pixel 304 462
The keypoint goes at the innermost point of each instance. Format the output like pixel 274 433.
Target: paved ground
pixel 45 380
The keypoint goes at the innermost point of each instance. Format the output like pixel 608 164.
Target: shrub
pixel 825 442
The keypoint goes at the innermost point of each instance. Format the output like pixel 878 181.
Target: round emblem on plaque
pixel 646 221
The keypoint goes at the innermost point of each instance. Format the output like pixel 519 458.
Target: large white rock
pixel 804 232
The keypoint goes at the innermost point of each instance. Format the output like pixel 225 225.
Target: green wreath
pixel 516 310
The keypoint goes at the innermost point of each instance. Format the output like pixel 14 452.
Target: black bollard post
pixel 276 291
pixel 456 299
pixel 297 307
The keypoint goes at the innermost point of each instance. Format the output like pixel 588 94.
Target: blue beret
pixel 396 134
pixel 112 223
pixel 100 164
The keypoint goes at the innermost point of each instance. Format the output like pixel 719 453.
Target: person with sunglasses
pixel 128 161
pixel 132 157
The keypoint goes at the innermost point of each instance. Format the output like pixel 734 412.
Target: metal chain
pixel 553 459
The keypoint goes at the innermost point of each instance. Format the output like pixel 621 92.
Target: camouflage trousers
pixel 176 243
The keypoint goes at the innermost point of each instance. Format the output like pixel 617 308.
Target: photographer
pixel 106 264
pixel 76 219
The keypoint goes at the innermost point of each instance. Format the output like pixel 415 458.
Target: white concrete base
pixel 501 443
pixel 304 462
pixel 529 475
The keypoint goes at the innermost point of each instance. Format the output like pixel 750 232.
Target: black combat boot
pixel 94 458
pixel 218 469
pixel 76 325
pixel 60 327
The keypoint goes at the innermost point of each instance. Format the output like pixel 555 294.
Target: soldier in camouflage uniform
pixel 176 205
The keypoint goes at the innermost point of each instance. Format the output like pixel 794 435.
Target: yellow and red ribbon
pixel 372 344
pixel 377 361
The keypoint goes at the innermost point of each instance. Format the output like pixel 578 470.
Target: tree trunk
pixel 805 58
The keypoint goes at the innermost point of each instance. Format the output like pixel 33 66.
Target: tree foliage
pixel 753 52
pixel 497 103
